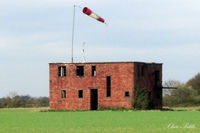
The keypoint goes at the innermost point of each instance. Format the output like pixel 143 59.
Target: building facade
pixel 89 86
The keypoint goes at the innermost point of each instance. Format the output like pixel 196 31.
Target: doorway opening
pixel 93 99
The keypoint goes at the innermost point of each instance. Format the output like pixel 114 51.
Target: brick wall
pixel 146 79
pixel 124 77
pixel 121 81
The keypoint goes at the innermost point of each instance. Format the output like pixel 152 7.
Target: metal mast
pixel 72 52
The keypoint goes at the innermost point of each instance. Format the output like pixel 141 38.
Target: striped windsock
pixel 89 12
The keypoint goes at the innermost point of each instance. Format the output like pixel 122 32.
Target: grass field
pixel 33 121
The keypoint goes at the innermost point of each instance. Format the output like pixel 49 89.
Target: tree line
pixel 185 94
pixel 14 101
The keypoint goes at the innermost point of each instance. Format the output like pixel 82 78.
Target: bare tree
pixel 170 83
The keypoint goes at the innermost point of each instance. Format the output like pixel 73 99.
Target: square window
pixel 63 93
pixel 61 71
pixel 80 94
pixel 80 71
pixel 158 96
pixel 127 94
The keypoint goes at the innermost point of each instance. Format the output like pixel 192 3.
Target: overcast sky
pixel 34 33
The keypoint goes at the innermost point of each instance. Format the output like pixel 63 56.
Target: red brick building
pixel 89 86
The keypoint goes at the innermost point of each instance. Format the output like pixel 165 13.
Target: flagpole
pixel 88 12
pixel 72 52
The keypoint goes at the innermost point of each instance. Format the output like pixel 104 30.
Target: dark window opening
pixel 108 81
pixel 138 70
pixel 127 94
pixel 93 71
pixel 80 71
pixel 149 95
pixel 158 96
pixel 142 72
pixel 80 94
pixel 157 76
pixel 63 93
pixel 62 71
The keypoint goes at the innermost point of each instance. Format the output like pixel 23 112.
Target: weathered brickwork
pixel 124 77
pixel 150 79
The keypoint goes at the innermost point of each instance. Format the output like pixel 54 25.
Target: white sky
pixel 34 33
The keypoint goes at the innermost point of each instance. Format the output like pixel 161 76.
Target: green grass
pixel 33 121
pixel 186 109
